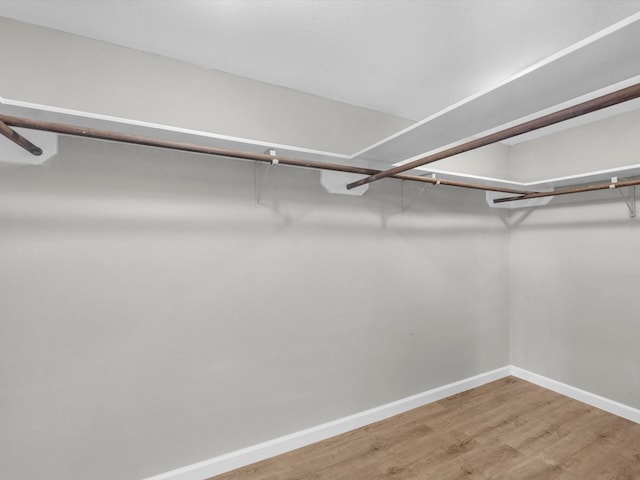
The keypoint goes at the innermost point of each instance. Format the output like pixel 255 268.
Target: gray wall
pixel 574 267
pixel 44 66
pixel 154 316
pixel 490 161
pixel 609 143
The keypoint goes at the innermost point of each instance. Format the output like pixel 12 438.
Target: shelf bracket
pixel 405 205
pixel 259 183
pixel 630 200
pixel 515 217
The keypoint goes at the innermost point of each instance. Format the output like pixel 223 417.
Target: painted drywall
pixel 154 316
pixel 574 268
pixel 45 66
pixel 609 143
pixel 489 161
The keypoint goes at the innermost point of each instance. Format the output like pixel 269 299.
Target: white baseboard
pixel 592 399
pixel 277 446
pixel 261 451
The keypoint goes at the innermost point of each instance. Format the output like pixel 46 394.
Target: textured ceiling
pixel 407 58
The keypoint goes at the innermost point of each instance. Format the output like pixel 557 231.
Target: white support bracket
pixel 405 205
pixel 514 218
pixel 630 200
pixel 259 183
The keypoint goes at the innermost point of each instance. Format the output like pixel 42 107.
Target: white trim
pixel 287 443
pixel 589 398
pixel 162 127
pixel 261 451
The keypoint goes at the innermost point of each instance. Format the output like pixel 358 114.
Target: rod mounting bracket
pixel 272 153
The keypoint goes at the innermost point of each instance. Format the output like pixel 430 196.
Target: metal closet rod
pixel 73 130
pixel 567 191
pixel 608 100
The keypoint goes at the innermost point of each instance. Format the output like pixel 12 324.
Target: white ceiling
pixel 407 58
pixel 459 68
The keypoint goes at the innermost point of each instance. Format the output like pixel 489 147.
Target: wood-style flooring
pixel 508 429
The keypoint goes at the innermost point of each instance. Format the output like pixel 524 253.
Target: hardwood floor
pixel 506 430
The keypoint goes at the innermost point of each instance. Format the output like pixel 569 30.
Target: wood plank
pixel 507 429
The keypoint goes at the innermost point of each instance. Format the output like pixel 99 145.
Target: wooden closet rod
pixel 18 139
pixel 73 130
pixel 567 191
pixel 583 108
